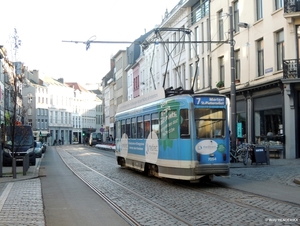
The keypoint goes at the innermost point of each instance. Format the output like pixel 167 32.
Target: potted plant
pixel 220 84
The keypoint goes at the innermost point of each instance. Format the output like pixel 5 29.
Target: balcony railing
pixel 291 6
pixel 291 69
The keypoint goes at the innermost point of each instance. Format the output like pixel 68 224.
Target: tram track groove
pixel 119 210
pixel 258 211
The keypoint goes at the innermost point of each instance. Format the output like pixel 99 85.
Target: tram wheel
pixel 206 179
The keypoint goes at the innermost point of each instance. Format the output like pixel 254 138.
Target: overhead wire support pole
pixel 233 88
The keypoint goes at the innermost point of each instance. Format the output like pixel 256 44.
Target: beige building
pixel 264 38
pixel 264 78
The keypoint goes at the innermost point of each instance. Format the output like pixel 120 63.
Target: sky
pixel 42 26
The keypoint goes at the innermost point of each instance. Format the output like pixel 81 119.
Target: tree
pixel 14 113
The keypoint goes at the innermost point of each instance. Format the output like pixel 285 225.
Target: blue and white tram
pixel 183 137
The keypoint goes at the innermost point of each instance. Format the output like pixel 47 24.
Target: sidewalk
pixel 282 171
pixel 32 172
pixel 21 200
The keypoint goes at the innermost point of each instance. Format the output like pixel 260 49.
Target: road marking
pixel 5 194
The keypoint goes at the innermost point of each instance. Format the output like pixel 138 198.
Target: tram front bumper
pixel 212 169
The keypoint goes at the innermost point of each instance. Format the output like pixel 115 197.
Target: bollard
pixel 25 164
pixel 14 167
pixel 268 154
pixel 1 162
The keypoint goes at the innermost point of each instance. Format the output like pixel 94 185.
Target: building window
pixel 237 65
pixel 202 36
pixel 197 39
pixel 208 33
pixel 279 49
pixel 29 111
pixel 278 4
pixel 196 12
pixel 191 50
pixel 220 25
pixel 203 73
pixel 174 44
pixel 236 16
pixel 191 74
pixel 259 9
pixel 221 69
pixel 198 77
pixel 260 57
pixel 268 121
pixel 30 122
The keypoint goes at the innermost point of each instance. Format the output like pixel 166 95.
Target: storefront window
pixel 241 125
pixel 268 122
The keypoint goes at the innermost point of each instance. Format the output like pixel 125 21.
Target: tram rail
pixel 255 205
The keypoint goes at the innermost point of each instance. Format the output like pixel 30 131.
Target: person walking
pixel 86 140
pixel 111 139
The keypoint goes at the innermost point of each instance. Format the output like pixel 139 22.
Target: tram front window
pixel 210 122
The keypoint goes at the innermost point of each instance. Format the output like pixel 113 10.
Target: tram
pixel 174 134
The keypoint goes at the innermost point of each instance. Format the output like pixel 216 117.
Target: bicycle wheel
pixel 245 159
pixel 241 155
pixel 232 156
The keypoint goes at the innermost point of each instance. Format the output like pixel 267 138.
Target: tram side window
pixel 123 127
pixel 133 128
pixel 146 126
pixel 155 124
pixel 140 127
pixel 128 123
pixel 210 123
pixel 184 124
pixel 118 134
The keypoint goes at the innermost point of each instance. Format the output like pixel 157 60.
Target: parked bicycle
pixel 242 153
pixel 237 155
pixel 248 153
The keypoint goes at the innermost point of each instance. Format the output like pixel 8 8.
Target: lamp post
pixel 232 87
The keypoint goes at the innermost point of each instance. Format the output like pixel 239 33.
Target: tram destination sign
pixel 209 101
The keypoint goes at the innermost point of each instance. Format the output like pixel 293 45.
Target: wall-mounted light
pixel 243 25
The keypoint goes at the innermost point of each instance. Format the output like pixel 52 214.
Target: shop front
pixel 268 123
pixel 260 118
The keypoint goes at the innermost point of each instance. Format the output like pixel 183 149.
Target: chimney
pixel 61 80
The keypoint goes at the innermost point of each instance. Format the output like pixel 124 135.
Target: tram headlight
pixel 224 156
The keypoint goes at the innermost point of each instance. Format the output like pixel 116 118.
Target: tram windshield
pixel 210 122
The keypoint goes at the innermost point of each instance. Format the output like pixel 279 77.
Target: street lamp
pixel 232 87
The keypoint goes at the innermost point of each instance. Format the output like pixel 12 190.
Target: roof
pixel 77 86
pixel 51 81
